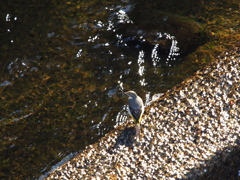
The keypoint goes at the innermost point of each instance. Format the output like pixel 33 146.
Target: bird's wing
pixel 136 113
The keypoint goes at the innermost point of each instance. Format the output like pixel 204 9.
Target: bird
pixel 135 109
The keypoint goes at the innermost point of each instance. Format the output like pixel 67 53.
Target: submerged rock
pixel 185 133
pixel 151 27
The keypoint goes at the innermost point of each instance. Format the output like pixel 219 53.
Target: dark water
pixel 63 67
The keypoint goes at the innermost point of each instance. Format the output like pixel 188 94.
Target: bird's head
pixel 131 94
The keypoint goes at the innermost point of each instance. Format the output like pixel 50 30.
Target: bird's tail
pixel 137 131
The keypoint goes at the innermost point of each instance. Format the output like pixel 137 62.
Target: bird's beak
pixel 125 93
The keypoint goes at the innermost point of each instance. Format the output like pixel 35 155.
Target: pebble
pixel 183 131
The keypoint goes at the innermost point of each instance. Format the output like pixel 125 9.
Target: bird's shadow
pixel 126 138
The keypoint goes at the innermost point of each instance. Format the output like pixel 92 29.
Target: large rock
pixel 183 133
